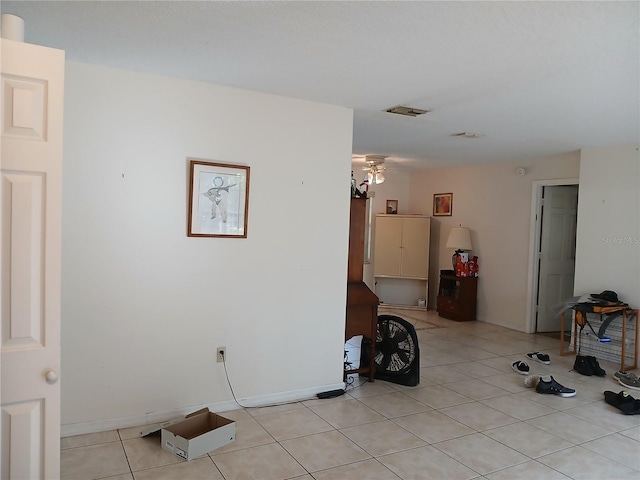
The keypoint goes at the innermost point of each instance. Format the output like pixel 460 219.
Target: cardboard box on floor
pixel 195 435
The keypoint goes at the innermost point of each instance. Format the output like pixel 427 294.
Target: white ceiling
pixel 535 78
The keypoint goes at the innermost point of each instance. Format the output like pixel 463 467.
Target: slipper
pixel 540 357
pixel 623 401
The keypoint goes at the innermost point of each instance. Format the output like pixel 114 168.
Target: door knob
pixel 51 376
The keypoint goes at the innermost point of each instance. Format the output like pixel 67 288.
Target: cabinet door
pixel 388 240
pixel 415 247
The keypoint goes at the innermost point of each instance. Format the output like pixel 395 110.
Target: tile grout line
pixel 125 454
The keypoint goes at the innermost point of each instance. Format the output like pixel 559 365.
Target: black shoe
pixel 583 366
pixel 540 357
pixel 553 387
pixel 623 401
pixel 595 366
pixel 521 367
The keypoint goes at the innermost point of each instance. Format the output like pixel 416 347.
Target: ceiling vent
pixel 467 135
pixel 406 111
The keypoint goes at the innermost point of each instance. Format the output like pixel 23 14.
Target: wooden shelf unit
pixel 362 303
pixel 626 313
pixel 457 297
pixel 401 259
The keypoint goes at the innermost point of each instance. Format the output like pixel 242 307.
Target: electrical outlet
pixel 221 354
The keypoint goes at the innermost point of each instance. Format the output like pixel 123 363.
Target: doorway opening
pixel 552 252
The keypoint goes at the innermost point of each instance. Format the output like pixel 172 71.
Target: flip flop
pixel 540 357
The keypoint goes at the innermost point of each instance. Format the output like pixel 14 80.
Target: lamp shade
pixel 459 238
pixel 370 178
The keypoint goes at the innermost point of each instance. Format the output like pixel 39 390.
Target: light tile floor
pixel 470 417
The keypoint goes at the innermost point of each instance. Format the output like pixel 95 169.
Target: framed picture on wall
pixel 442 204
pixel 218 199
pixel 392 206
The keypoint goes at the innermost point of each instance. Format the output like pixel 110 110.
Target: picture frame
pixel 442 204
pixel 392 207
pixel 218 199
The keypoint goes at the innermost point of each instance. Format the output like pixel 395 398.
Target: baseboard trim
pixel 69 430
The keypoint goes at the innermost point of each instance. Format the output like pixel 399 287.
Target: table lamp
pixel 460 239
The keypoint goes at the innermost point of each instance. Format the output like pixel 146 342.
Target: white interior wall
pixel 143 306
pixel 608 233
pixel 495 204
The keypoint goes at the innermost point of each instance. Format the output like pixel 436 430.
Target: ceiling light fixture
pixel 374 169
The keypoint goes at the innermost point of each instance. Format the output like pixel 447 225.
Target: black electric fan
pixel 397 355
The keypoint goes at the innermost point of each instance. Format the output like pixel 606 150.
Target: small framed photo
pixel 442 204
pixel 218 199
pixel 392 206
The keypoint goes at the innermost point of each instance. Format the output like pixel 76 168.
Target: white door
pixel 30 192
pixel 557 254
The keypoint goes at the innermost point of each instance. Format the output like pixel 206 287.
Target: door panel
pixel 23 202
pixel 21 422
pixel 30 194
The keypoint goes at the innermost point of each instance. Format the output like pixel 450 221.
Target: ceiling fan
pixel 374 169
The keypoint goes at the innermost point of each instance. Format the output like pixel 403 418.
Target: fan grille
pixel 395 348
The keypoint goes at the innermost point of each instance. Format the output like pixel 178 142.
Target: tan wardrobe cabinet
pixel 401 258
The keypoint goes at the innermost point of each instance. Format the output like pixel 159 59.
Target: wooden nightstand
pixel 457 297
